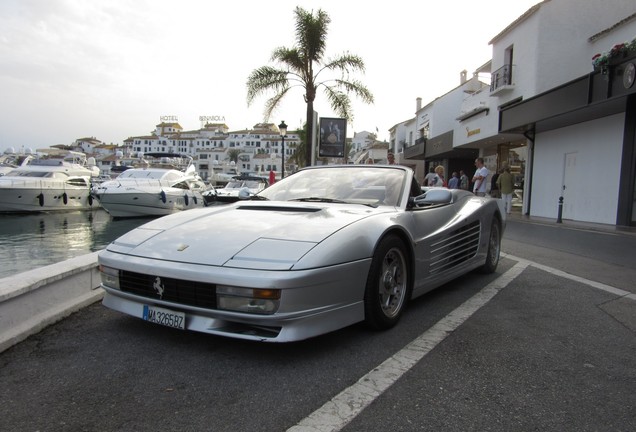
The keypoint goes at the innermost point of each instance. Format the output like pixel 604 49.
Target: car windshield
pixel 350 184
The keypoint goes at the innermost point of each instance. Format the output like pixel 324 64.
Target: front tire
pixel 494 249
pixel 387 288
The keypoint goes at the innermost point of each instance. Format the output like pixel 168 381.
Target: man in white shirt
pixel 428 178
pixel 479 179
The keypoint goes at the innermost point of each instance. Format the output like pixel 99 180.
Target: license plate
pixel 164 317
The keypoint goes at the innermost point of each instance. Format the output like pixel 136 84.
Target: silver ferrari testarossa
pixel 320 250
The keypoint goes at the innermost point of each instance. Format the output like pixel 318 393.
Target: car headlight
pixel 109 276
pixel 249 300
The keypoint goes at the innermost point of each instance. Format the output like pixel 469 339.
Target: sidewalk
pixel 518 217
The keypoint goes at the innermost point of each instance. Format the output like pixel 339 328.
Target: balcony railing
pixel 501 78
pixel 420 140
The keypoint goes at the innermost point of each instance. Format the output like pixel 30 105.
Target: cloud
pixel 111 68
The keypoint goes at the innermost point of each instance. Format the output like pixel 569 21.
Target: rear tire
pixel 388 287
pixel 494 249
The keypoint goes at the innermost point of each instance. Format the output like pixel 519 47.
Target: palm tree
pixel 302 65
pixel 299 156
pixel 233 154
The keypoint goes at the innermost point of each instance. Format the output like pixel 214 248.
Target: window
pixel 426 131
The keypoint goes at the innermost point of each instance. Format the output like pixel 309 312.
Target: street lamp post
pixel 282 127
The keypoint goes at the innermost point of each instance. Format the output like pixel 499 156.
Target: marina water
pixel 29 241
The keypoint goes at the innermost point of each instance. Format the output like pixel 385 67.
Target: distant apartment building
pixel 214 148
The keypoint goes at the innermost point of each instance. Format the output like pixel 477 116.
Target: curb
pixel 35 299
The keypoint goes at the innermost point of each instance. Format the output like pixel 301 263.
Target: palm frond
pixel 311 33
pixel 273 102
pixel 339 102
pixel 290 57
pixel 265 79
pixel 346 63
pixel 357 88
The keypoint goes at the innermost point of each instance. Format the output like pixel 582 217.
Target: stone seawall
pixel 32 300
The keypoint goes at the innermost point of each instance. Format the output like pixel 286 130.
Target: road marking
pixel 344 407
pixel 607 288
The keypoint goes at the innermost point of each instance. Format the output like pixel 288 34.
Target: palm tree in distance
pixel 299 157
pixel 233 154
pixel 302 65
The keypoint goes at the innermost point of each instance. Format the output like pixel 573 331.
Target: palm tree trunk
pixel 310 133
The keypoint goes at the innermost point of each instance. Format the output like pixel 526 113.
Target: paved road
pixel 532 347
pixel 591 251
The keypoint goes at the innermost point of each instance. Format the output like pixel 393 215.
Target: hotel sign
pixel 212 118
pixel 169 118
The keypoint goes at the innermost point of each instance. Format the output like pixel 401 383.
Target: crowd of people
pixel 501 182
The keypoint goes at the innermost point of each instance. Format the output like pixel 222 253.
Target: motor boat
pixel 56 180
pixel 11 160
pixel 222 173
pixel 156 187
pixel 249 185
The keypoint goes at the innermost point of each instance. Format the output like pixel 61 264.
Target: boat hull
pixel 139 203
pixel 45 197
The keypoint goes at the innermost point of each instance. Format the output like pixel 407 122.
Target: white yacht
pixel 222 173
pixel 250 185
pixel 152 188
pixel 57 180
pixel 11 160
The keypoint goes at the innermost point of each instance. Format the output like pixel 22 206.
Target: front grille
pixel 184 292
pixel 457 247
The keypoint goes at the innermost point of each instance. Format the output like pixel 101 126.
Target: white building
pixel 565 129
pixel 580 123
pixel 215 149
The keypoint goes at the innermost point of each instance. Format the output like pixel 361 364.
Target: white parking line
pixel 344 407
pixel 607 288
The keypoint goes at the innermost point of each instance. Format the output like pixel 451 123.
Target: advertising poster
pixel 332 137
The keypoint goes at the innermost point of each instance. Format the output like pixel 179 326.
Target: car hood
pixel 255 235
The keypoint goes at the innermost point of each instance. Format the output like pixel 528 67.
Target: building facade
pixel 215 149
pixel 566 129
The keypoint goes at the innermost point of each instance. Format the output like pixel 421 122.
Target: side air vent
pixel 457 247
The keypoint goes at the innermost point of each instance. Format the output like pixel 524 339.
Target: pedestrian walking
pixel 494 187
pixel 429 177
pixel 453 183
pixel 438 180
pixel 506 184
pixel 463 180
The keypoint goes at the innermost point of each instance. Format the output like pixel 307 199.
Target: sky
pixel 110 69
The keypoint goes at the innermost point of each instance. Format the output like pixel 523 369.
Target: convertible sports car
pixel 320 250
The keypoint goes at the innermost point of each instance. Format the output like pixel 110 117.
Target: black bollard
pixel 560 212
